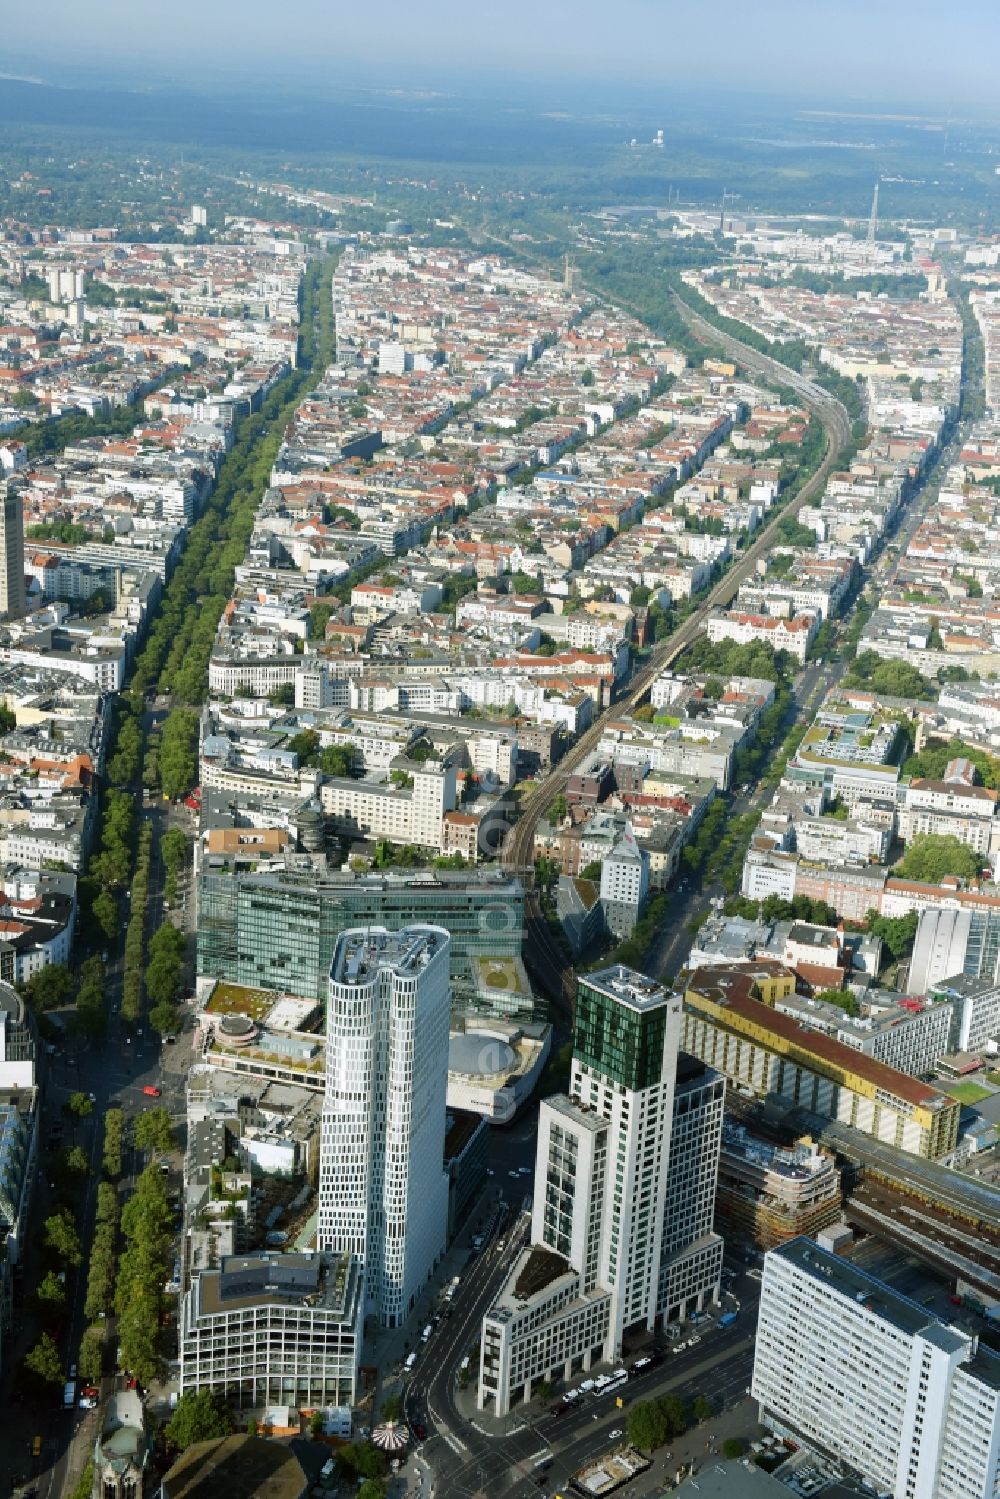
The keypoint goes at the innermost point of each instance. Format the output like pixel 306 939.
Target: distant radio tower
pixel 722 212
pixel 873 216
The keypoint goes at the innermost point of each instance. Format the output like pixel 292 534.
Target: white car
pixel 614 1435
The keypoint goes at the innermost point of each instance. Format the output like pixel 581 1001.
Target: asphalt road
pixel 467 1457
pixel 691 900
pixel 114 1071
pixel 454 1448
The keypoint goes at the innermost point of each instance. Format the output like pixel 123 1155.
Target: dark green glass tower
pixel 620 1034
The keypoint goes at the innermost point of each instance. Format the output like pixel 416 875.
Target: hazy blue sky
pixel 881 49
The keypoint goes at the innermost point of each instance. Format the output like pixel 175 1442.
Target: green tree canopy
pixel 319 617
pixel 174 847
pixel 372 1488
pixel 932 856
pixel 104 909
pixel 43 1361
pixel 337 760
pixel 890 678
pixel 165 1019
pixel 652 1423
pixel 51 1291
pixel 152 1130
pixel 163 979
pixel 305 744
pixel 178 754
pixel 361 1459
pixel 60 1237
pixel 77 1161
pixel 49 987
pixel 842 998
pixel 558 810
pixel 200 1415
pixel 897 932
pixel 933 758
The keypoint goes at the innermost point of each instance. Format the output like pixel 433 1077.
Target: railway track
pixel 542 952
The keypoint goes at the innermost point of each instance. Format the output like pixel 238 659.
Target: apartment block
pixel 12 598
pixel 769 1194
pixel 732 1023
pixel 846 1364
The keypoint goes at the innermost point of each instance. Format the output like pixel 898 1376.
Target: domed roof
pixel 237 1026
pixel 478 1054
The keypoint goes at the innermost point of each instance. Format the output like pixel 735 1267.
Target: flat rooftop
pixel 539 1270
pixel 587 1118
pixel 739 1479
pixel 732 990
pixel 317 1281
pixel 362 952
pixel 461 1127
pixel 858 1285
pixel 501 973
pixel 627 986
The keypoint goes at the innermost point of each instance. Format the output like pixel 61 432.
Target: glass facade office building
pixel 620 1026
pixel 278 930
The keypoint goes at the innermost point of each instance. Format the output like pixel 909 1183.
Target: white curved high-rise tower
pixel 383 1191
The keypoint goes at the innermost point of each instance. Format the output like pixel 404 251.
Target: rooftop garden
pixel 235 999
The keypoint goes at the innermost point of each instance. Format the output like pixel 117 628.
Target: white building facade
pixel 383 1191
pixel 621 1232
pixel 868 1376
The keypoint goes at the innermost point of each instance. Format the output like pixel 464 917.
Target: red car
pixel 150 1091
pixel 420 1431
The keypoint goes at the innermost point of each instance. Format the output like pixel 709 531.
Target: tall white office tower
pixel 12 596
pixel 625 1042
pixel 625 1175
pixel 691 1251
pixel 383 1192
